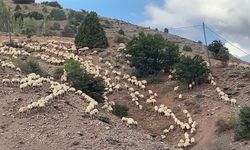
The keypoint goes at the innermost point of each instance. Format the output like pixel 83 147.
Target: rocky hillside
pixel 64 123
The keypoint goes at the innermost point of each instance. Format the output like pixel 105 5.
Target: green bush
pixel 57 14
pixel 80 79
pixel 192 69
pixel 243 130
pixel 90 33
pixel 120 110
pixel 18 7
pixel 34 14
pixel 215 47
pixel 187 48
pixel 52 4
pixel 151 54
pixel 121 32
pixel 55 26
pixel 69 30
pixel 29 66
pixel 24 1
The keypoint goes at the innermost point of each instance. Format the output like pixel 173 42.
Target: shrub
pixel 222 126
pixel 223 56
pixel 187 48
pixel 77 16
pixel 120 110
pixel 36 15
pixel 121 32
pixel 233 122
pixel 56 26
pixel 155 78
pixel 24 1
pixel 69 30
pixel 81 80
pixel 199 42
pixel 219 144
pixel 18 7
pixel 29 26
pixel 52 4
pixel 192 69
pixel 243 130
pixel 19 15
pixel 219 51
pixel 90 33
pixel 29 66
pixel 58 73
pixel 120 39
pixel 151 54
pixel 57 14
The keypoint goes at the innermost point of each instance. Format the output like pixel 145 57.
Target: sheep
pixel 6 81
pixel 176 88
pixel 233 101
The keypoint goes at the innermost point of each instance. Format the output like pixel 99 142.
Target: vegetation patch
pixel 30 66
pixel 151 54
pixel 90 33
pixel 190 70
pixel 80 79
pixel 120 110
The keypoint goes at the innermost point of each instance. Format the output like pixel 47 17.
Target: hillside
pixel 64 124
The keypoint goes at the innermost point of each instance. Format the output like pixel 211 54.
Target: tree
pixel 57 14
pixel 18 7
pixel 166 30
pixel 121 32
pixel 5 19
pixel 223 56
pixel 24 1
pixel 36 15
pixel 29 26
pixel 215 46
pixel 190 70
pixel 90 33
pixel 77 16
pixel 52 4
pixel 69 30
pixel 219 51
pixel 55 26
pixel 151 54
pixel 243 131
pixel 80 79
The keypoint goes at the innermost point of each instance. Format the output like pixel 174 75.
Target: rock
pixel 200 96
pixel 113 141
pixel 80 133
pixel 75 143
pixel 104 119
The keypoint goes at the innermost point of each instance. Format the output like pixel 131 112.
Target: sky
pixel 228 18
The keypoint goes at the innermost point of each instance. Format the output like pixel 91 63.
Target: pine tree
pixel 90 33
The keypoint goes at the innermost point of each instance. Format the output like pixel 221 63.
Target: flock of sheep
pixel 55 53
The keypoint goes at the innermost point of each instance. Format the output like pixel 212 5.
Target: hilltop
pixel 63 123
